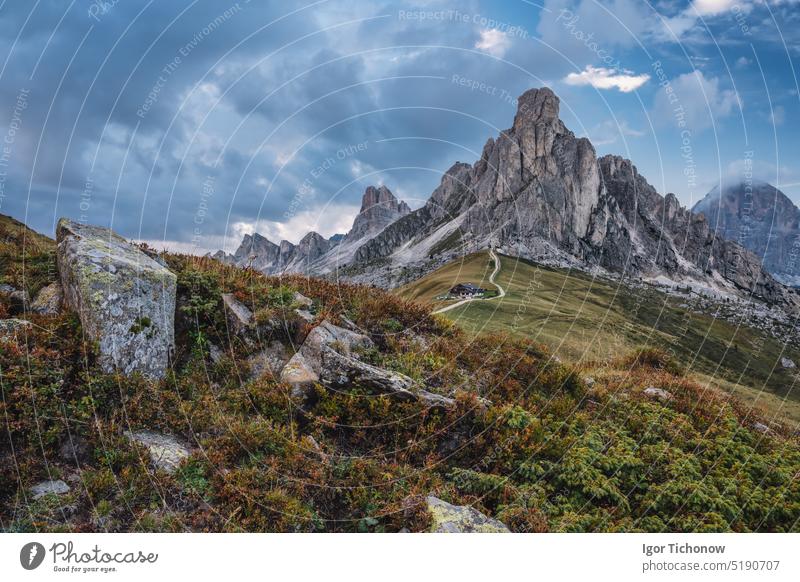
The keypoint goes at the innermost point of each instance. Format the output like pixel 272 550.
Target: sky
pixel 188 124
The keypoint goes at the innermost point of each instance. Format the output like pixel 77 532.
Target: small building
pixel 467 290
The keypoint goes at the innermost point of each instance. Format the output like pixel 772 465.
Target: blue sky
pixel 189 124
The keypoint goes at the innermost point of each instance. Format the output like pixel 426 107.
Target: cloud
pixel 695 100
pixel 493 41
pixel 712 7
pixel 609 132
pixel 327 220
pixel 743 62
pixel 778 115
pixel 601 78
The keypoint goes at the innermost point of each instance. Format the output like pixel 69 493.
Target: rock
pixel 340 371
pixel 658 393
pixel 787 363
pixel 589 381
pixel 305 315
pixel 240 318
pixel 760 427
pixel 447 518
pixel 74 450
pixel 12 328
pixel 48 301
pixel 19 299
pixel 125 299
pixel 215 353
pixel 272 359
pixel 49 488
pixel 302 300
pixel 166 452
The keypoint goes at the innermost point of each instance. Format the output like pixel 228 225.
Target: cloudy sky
pixel 191 123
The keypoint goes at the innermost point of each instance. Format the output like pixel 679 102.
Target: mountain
pixel 761 218
pixel 314 253
pixel 540 193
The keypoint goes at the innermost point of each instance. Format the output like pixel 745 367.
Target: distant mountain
pixel 540 193
pixel 314 253
pixel 761 218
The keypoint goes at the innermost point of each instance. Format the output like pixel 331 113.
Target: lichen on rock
pixel 125 299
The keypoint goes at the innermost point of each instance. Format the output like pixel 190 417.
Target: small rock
pixel 449 518
pixel 11 328
pixel 761 427
pixel 787 363
pixel 19 299
pixel 302 300
pixel 272 359
pixel 215 353
pixel 49 488
pixel 166 452
pixel 74 449
pixel 48 301
pixel 589 381
pixel 305 315
pixel 658 393
pixel 240 318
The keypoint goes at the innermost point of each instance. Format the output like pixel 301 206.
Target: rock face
pixel 447 518
pixel 540 193
pixel 761 218
pixel 166 452
pixel 379 208
pixel 124 298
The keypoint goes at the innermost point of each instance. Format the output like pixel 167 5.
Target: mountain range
pixel 540 193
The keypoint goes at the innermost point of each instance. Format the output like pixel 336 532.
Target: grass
pixel 27 258
pixel 550 451
pixel 591 321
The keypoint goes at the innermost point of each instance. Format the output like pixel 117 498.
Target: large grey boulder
pixel 124 298
pixel 166 452
pixel 447 518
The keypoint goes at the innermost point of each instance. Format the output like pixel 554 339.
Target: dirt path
pixel 500 291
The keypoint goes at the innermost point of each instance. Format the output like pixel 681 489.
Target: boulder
pixel 48 301
pixel 125 299
pixel 787 364
pixel 657 393
pixel 11 328
pixel 49 488
pixel 166 452
pixel 303 301
pixel 447 518
pixel 340 371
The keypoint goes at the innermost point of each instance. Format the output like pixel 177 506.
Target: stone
pixel 272 359
pixel 49 488
pixel 447 518
pixel 215 353
pixel 788 364
pixel 240 318
pixel 589 381
pixel 302 300
pixel 49 299
pixel 125 299
pixel 74 449
pixel 19 299
pixel 166 452
pixel 13 328
pixel 657 393
pixel 305 315
pixel 760 427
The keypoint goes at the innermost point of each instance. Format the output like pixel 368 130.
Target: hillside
pixel 504 427
pixel 592 320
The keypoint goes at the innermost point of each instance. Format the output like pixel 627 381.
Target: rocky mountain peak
pixel 382 196
pixel 379 208
pixel 536 107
